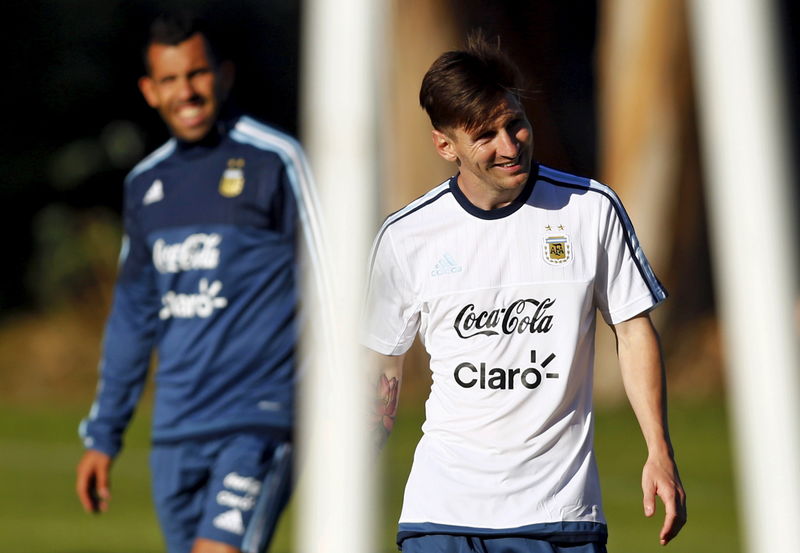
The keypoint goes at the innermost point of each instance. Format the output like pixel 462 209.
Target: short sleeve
pixel 625 284
pixel 392 313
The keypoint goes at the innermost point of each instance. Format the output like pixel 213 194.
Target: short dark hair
pixel 172 28
pixel 464 88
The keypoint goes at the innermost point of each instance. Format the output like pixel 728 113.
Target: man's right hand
pixel 93 485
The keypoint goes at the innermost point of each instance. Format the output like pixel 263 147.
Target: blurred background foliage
pixel 75 124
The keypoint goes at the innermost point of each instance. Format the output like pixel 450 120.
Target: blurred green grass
pixel 39 512
pixel 699 434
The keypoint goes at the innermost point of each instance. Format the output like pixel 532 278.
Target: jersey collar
pixel 500 212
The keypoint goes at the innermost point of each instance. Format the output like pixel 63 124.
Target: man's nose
pixel 508 145
pixel 186 90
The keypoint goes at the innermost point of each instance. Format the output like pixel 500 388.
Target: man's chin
pixel 191 134
pixel 518 179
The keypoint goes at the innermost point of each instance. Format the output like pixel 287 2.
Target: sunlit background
pixel 612 93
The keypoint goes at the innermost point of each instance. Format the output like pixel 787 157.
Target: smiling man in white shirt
pixel 500 270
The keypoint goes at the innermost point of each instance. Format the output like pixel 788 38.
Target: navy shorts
pixel 230 489
pixel 443 543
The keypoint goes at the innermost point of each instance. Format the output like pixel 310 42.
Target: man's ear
pixel 148 90
pixel 444 146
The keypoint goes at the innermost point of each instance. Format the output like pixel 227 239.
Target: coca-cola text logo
pixel 521 316
pixel 197 251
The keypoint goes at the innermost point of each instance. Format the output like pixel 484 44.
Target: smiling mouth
pixel 191 114
pixel 189 111
pixel 509 164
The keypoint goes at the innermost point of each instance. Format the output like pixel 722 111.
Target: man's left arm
pixel 643 375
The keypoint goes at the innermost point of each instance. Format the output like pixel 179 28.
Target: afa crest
pixel 232 182
pixel 557 249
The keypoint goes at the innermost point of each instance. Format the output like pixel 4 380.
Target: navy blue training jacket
pixel 208 280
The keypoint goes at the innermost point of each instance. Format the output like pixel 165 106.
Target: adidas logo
pixel 155 193
pixel 230 521
pixel 446 266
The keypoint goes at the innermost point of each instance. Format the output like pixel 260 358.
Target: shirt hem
pixel 384 348
pixel 637 307
pixel 276 425
pixel 564 531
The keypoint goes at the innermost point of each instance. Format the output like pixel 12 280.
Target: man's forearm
pixel 643 375
pixel 644 380
pixel 390 375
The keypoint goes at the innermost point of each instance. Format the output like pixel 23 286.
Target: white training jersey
pixel 504 302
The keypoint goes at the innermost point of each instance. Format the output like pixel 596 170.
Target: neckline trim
pixel 500 212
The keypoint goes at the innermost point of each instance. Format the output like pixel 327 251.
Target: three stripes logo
pixel 446 266
pixel 154 194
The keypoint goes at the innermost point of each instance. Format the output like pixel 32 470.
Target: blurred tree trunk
pixel 648 154
pixel 422 30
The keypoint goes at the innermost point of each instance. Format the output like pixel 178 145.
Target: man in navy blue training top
pixel 208 279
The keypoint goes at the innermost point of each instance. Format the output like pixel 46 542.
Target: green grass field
pixel 40 514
